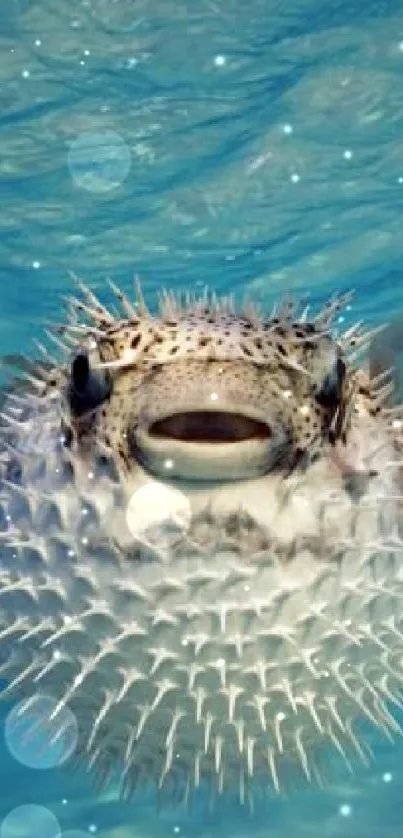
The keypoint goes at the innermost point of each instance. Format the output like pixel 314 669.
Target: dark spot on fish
pixel 281 331
pixel 135 341
pixel 246 351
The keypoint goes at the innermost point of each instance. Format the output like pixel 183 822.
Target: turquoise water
pixel 247 146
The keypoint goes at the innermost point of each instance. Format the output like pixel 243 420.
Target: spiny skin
pixel 231 649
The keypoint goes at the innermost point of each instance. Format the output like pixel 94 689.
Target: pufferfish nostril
pixel 88 387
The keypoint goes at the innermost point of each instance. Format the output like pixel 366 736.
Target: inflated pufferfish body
pixel 201 551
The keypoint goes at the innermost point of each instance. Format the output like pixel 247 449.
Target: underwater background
pixel 250 146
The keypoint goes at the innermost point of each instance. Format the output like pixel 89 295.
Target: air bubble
pixel 158 514
pixel 37 740
pixel 30 821
pixel 99 162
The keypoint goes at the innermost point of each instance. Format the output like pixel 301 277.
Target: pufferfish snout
pixel 201 543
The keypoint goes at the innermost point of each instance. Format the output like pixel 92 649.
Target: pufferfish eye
pixel 88 386
pixel 330 392
pixel 328 376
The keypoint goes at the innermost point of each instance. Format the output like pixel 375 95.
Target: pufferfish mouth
pixel 210 427
pixel 207 444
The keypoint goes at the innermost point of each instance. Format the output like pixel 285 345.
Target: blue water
pixel 244 145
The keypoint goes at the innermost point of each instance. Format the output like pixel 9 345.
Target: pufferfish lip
pixel 207 444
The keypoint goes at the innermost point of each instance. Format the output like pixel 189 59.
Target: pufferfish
pixel 201 549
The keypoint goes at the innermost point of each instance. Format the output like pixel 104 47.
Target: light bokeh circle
pixel 99 161
pixel 158 514
pixel 30 821
pixel 36 739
